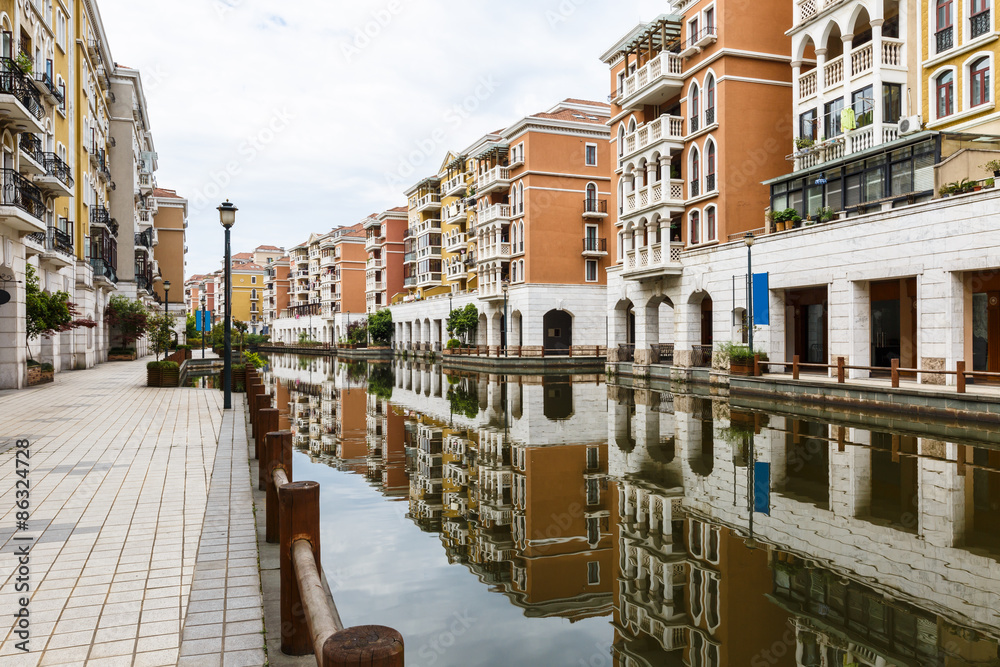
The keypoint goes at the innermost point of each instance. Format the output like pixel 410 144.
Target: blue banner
pixel 761 310
pixel 198 324
pixel 762 487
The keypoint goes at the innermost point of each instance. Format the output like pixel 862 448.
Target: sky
pixel 312 114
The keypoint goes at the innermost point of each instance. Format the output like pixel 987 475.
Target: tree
pixel 48 314
pixel 241 331
pixel 380 381
pixel 357 332
pixel 159 328
pixel 129 316
pixel 463 322
pixel 191 327
pixel 380 326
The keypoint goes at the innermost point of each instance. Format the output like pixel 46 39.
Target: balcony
pixel 429 279
pixel 21 203
pixel 32 154
pixel 497 178
pixel 59 249
pixel 57 179
pixel 103 170
pixel 454 186
pixel 594 247
pixel 456 212
pixel 47 87
pixel 455 241
pixel 376 263
pixel 491 291
pixel 497 213
pixel 660 194
pixel 145 240
pixel 488 252
pixel 374 241
pixel 654 83
pixel 457 268
pixel 595 208
pixel 426 226
pixel 979 24
pixel 663 135
pixel 653 261
pixel 145 182
pixel 944 39
pixel 20 103
pixel 100 217
pixel 429 251
pixel 429 202
pixel 378 286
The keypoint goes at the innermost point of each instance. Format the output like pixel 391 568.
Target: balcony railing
pixel 649 134
pixel 32 147
pixel 980 23
pixel 592 244
pixel 945 39
pixel 494 213
pixel 695 188
pixel 100 216
pixel 18 191
pixel 655 194
pixel 144 239
pixel 693 123
pixel 595 206
pixel 60 239
pixel 710 183
pixel 58 169
pixel 665 257
pixel 496 177
pixel 667 64
pixel 14 82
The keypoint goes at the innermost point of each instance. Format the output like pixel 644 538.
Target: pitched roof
pixel 243 255
pixel 163 193
pixel 269 248
pixel 249 266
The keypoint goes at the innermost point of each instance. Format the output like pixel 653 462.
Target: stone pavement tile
pixel 156 658
pixel 252 658
pixel 111 649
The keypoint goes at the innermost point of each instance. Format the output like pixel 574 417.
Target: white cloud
pixel 362 85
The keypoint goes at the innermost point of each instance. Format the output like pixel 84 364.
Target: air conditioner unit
pixel 909 125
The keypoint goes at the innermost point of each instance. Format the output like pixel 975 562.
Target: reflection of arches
pixel 558 325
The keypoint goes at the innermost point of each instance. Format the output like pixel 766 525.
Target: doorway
pixel 894 323
pixel 558 325
pixel 809 324
pixel 986 331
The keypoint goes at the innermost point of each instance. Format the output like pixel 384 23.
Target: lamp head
pixel 166 285
pixel 227 214
pixel 748 239
pixel 505 285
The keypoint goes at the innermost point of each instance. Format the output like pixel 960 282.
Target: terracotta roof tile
pixel 163 193
pixel 269 248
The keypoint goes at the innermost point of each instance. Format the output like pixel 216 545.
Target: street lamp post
pixel 506 328
pixel 204 325
pixel 748 239
pixel 166 296
pixel 227 216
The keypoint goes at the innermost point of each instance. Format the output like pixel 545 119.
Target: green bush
pixel 183 347
pixel 121 350
pixel 741 354
pixel 454 343
pixel 47 368
pixel 32 363
pixel 253 359
pixel 162 365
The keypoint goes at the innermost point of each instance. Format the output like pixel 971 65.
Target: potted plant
pixel 792 218
pixel 24 62
pixel 169 373
pixel 804 142
pixel 988 183
pixel 826 214
pixel 779 220
pixel 740 359
pixel 947 190
pixel 966 185
pixel 154 374
pixel 992 166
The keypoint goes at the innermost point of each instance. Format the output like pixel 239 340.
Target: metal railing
pixel 945 39
pixel 310 622
pixel 18 191
pixel 14 82
pixel 980 23
pixel 59 239
pixel 595 205
pixel 57 168
pixel 144 238
pixel 32 147
pixel 702 356
pixel 593 244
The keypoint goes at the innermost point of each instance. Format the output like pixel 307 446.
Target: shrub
pixel 741 354
pixel 253 359
pixel 454 343
pixel 129 316
pixel 32 363
pixel 47 368
pixel 380 326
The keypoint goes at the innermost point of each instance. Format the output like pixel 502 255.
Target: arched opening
pixel 558 325
pixel 660 329
pixel 695 172
pixel 557 401
pixel 482 329
pixel 515 328
pixel 694 106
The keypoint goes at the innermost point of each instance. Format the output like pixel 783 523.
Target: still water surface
pixel 529 520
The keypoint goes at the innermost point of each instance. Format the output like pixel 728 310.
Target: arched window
pixel 520 197
pixel 945 85
pixel 513 199
pixel 710 227
pixel 979 17
pixel 980 76
pixel 710 167
pixel 621 139
pixel 694 106
pixel 710 100
pixel 694 228
pixel 513 272
pixel 253 294
pixel 591 198
pixel 695 173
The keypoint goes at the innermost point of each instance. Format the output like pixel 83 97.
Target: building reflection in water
pixel 576 499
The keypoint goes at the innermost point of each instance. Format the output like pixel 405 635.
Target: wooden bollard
pixel 756 365
pixel 299 503
pixel 269 424
pixel 374 645
pixel 795 367
pixel 840 370
pixel 278 454
pixel 263 403
pixel 961 377
pixel 254 389
pixel 895 373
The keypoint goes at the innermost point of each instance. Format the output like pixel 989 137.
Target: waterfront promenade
pixel 143 549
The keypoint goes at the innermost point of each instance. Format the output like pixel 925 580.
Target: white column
pixel 877 76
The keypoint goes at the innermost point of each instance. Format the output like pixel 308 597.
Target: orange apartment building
pixel 276 289
pixel 384 244
pixel 531 221
pixel 170 223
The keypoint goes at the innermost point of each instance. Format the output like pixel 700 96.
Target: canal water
pixel 559 520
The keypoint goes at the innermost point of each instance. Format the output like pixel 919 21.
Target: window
pixel 710 100
pixel 945 94
pixel 591 270
pixel 253 280
pixel 621 140
pixel 695 173
pixel 593 530
pixel 593 491
pixel 594 572
pixel 944 38
pixel 694 235
pixel 831 117
pixel 591 155
pixel 60 29
pixel 253 294
pixel 863 104
pixel 591 197
pixel 892 102
pixel 710 167
pixel 980 17
pixel 694 104
pixel 693 30
pixel 517 154
pixel 710 20
pixel 807 125
pixel 710 228
pixel 593 458
pixel 980 88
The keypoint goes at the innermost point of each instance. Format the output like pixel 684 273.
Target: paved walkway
pixel 124 561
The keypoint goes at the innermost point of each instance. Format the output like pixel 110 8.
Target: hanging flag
pixel 762 487
pixel 761 311
pixel 197 320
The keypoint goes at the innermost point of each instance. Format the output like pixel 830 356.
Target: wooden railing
pixel 962 375
pixel 310 622
pixel 528 351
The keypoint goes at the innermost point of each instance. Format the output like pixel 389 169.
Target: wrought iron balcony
pixel 100 216
pixel 58 169
pixel 18 191
pixel 595 246
pixel 60 239
pixel 595 208
pixel 32 147
pixel 45 84
pixel 945 39
pixel 14 82
pixel 144 239
pixel 980 23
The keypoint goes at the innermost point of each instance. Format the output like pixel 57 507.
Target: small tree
pixel 129 316
pixel 160 332
pixel 48 314
pixel 380 326
pixel 357 332
pixel 463 322
pixel 191 327
pixel 241 332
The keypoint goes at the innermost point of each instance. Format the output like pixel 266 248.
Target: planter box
pixel 170 377
pixel 239 380
pixel 154 377
pixel 741 368
pixel 37 376
pixel 122 357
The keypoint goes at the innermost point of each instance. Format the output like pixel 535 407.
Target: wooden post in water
pixel 374 645
pixel 299 502
pixel 961 377
pixel 278 452
pixel 263 403
pixel 795 367
pixel 840 370
pixel 895 373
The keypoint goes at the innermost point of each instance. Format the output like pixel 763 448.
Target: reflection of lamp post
pixel 748 239
pixel 204 325
pixel 505 285
pixel 227 216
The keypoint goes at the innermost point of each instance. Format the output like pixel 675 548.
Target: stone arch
pixel 832 41
pixel 806 53
pixel 859 23
pixel 516 332
pixel 482 330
